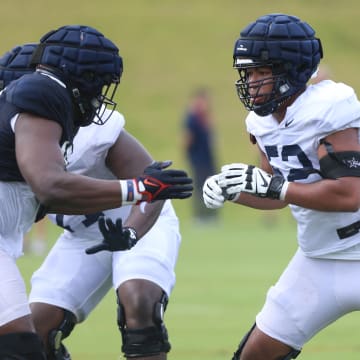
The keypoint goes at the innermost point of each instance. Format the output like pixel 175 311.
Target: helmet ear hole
pixel 284 88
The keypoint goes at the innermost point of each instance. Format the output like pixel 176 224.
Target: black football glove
pixel 116 237
pixel 163 184
pixel 156 184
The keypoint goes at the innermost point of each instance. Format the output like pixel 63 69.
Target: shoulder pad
pixel 42 96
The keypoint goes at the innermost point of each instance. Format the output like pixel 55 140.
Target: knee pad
pixel 293 354
pixel 57 349
pixel 21 346
pixel 149 341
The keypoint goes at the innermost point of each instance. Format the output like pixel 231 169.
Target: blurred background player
pixel 308 137
pixel 77 73
pixel 200 148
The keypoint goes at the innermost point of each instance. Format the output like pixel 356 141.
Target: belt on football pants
pixel 349 230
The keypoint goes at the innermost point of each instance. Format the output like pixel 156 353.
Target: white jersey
pixel 87 157
pixel 73 280
pixel 291 148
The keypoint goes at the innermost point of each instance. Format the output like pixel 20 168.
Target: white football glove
pixel 212 193
pixel 231 179
pixel 237 177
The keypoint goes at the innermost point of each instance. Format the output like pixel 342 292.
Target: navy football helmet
pixel 15 63
pixel 88 63
pixel 285 44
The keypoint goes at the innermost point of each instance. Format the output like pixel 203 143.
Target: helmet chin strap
pixel 277 106
pixel 86 116
pixel 266 109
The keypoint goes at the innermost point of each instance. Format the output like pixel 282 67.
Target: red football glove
pixel 157 184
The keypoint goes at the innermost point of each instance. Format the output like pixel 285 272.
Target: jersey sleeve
pixel 341 111
pixel 44 97
pixel 91 146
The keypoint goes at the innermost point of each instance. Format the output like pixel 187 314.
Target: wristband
pixel 129 192
pixel 284 190
pixel 277 188
pixel 132 233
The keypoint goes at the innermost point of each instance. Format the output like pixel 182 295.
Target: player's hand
pixel 116 237
pixel 231 179
pixel 236 178
pixel 212 193
pixel 157 184
pixel 163 184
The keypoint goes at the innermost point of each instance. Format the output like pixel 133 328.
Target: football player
pixel 70 283
pixel 308 137
pixel 77 72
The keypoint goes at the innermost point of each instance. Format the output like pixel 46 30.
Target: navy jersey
pixel 40 94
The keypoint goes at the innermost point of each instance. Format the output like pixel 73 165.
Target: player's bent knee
pixel 57 350
pixel 21 346
pixel 293 354
pixel 148 341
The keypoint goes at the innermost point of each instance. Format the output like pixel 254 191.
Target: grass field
pixel 223 273
pixel 169 47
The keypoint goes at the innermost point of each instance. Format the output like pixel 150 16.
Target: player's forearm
pixel 260 203
pixel 76 194
pixel 143 216
pixel 326 195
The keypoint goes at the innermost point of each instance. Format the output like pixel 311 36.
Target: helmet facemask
pixel 105 101
pixel 91 105
pixel 251 93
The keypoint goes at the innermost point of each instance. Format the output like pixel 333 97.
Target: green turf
pixel 169 47
pixel 223 273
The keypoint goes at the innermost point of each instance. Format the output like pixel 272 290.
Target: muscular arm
pixel 342 194
pixel 41 163
pixel 127 158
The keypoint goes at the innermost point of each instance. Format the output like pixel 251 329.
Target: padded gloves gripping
pixel 156 184
pixel 236 178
